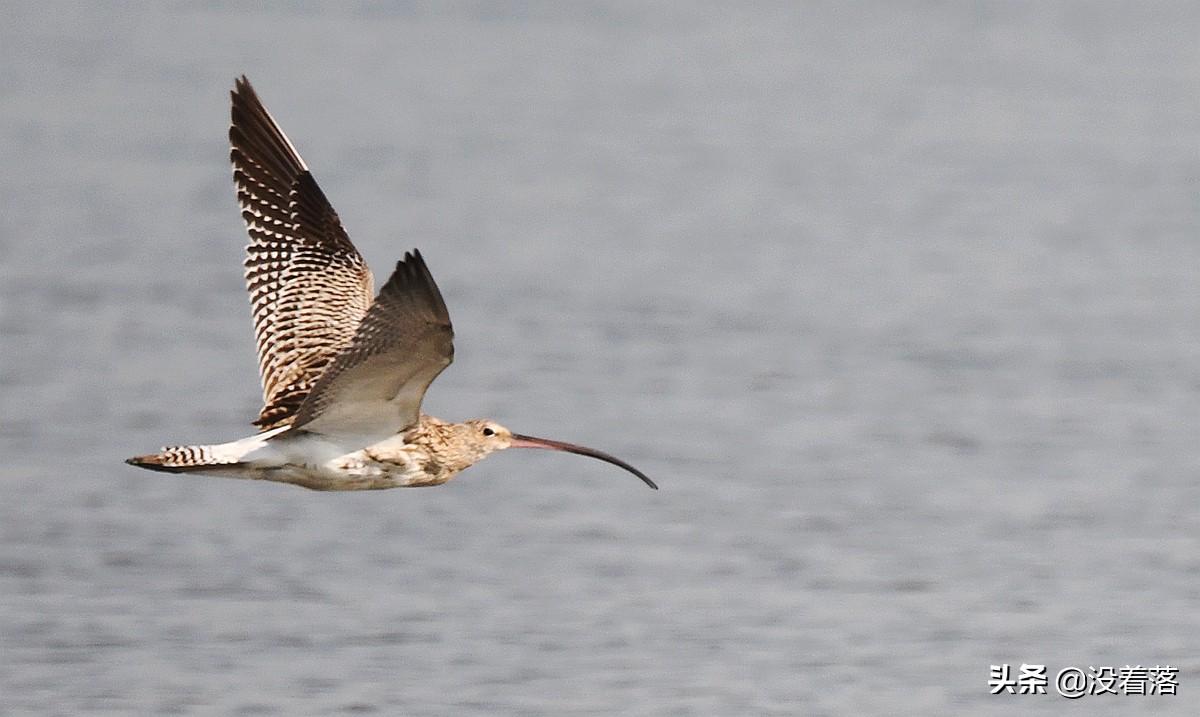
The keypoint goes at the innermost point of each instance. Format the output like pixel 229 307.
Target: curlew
pixel 343 373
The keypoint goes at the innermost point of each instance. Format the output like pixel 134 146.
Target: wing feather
pixel 374 388
pixel 309 287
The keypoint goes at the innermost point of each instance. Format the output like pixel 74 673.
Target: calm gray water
pixel 897 302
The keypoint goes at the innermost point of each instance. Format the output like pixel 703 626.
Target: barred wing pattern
pixel 374 387
pixel 308 285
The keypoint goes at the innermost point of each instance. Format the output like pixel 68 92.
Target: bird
pixel 343 370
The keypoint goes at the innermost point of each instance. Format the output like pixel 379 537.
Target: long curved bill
pixel 519 441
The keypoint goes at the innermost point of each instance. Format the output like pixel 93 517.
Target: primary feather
pixel 309 287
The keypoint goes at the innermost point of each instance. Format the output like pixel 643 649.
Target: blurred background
pixel 897 302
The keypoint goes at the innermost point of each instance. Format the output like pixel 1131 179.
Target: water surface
pixel 897 303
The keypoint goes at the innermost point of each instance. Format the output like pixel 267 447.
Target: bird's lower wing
pixel 374 388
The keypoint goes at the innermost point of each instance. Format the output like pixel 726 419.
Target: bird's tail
pixel 187 459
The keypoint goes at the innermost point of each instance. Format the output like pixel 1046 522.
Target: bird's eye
pixel 487 431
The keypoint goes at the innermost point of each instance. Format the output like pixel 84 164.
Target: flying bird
pixel 343 370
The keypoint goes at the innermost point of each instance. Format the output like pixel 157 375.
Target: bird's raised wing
pixel 373 389
pixel 309 287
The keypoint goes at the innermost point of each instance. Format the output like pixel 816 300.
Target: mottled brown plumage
pixel 308 285
pixel 343 376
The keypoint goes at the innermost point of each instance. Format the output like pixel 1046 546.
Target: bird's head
pixel 482 437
